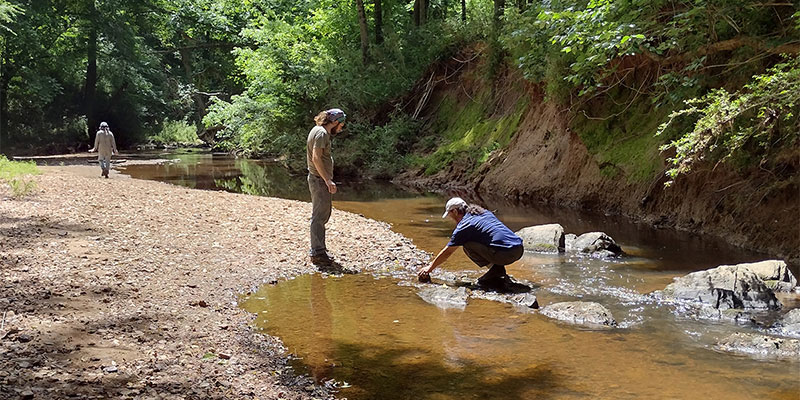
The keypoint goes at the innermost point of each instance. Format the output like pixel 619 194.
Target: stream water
pixel 376 339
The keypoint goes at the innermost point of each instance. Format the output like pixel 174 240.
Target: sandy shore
pixel 122 288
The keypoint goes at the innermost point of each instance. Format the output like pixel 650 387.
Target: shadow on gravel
pixel 336 269
pixel 20 233
pixel 409 373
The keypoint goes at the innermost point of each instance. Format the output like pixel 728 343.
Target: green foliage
pixel 592 35
pixel 176 133
pixel 750 123
pixel 307 58
pixel 155 61
pixel 377 151
pixel 8 12
pixel 17 175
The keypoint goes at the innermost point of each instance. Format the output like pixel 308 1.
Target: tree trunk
pixel 362 23
pixel 494 42
pixel 199 102
pixel 464 10
pixel 90 90
pixel 423 12
pixel 378 22
pixel 416 12
pixel 499 8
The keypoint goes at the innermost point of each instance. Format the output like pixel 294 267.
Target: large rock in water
pixel 580 313
pixel 724 287
pixel 445 296
pixel 761 346
pixel 543 238
pixel 596 244
pixel 774 273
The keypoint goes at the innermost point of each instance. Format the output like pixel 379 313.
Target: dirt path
pixel 123 288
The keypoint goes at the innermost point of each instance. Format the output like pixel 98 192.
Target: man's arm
pixel 113 144
pixel 316 158
pixel 96 142
pixel 443 255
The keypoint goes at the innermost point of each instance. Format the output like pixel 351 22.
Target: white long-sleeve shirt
pixel 105 144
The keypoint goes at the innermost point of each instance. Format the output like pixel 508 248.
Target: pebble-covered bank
pixel 121 288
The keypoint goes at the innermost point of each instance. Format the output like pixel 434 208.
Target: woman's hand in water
pixel 424 274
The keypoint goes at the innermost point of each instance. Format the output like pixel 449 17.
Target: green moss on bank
pixel 468 134
pixel 625 144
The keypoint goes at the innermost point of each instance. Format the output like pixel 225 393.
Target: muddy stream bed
pixel 373 337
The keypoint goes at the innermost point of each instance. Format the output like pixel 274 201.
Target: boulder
pixel 580 313
pixel 789 325
pixel 761 346
pixel 724 287
pixel 543 238
pixel 596 244
pixel 445 296
pixel 569 241
pixel 774 273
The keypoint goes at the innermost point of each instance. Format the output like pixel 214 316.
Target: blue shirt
pixel 485 229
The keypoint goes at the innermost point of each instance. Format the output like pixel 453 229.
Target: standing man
pixel 320 179
pixel 105 146
pixel 486 241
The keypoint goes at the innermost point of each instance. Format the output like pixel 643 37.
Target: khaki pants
pixel 321 200
pixel 484 255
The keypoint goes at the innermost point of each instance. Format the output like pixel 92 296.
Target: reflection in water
pixel 387 343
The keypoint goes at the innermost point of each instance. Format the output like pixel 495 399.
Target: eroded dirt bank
pixel 547 161
pixel 123 288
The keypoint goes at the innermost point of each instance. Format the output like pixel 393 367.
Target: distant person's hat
pixel 335 114
pixel 104 124
pixel 453 203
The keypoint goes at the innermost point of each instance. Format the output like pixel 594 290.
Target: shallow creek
pixel 374 338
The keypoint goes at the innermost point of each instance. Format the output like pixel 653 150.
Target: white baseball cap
pixel 453 203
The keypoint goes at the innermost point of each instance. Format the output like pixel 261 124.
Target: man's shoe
pixel 321 259
pixel 495 278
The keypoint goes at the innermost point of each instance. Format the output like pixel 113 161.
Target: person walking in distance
pixel 320 179
pixel 105 146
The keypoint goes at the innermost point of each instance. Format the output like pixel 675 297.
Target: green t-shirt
pixel 319 138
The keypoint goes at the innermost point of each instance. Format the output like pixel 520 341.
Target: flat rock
pixel 526 300
pixel 724 287
pixel 588 314
pixel 543 238
pixel 761 346
pixel 445 296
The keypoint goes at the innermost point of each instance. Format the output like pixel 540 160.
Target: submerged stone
pixel 789 325
pixel 587 314
pixel 445 296
pixel 543 238
pixel 526 300
pixel 761 346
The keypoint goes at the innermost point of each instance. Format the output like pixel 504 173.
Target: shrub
pixel 176 133
pixel 17 175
